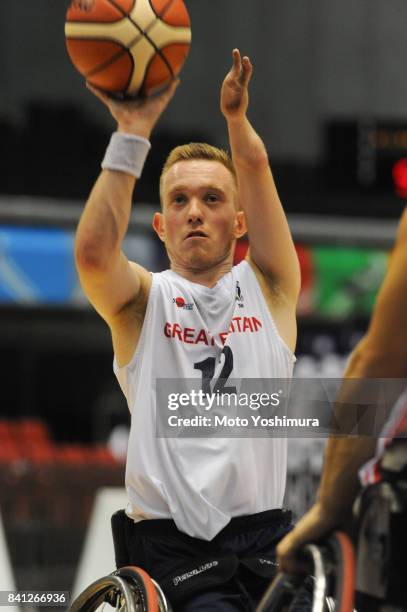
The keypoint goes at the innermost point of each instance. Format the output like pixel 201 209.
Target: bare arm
pixel 117 288
pixel 271 245
pixel 381 354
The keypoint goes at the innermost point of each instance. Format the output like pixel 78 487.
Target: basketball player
pixel 382 353
pixel 204 514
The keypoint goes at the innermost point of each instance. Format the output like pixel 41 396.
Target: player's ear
pixel 240 224
pixel 158 225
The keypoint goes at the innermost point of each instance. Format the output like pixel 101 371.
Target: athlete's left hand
pixel 234 97
pixel 313 526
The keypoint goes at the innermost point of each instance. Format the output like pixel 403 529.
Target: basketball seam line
pixel 145 34
pixel 115 56
pixel 164 10
pixel 111 59
pixel 157 17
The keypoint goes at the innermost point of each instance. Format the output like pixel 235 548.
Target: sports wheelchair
pixel 378 570
pixel 130 589
pixel 376 574
pixel 331 580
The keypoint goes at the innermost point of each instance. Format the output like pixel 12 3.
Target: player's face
pixel 200 221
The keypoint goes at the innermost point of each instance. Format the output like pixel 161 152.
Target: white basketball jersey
pixel 201 483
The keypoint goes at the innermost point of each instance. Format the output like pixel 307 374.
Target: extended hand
pixel 137 116
pixel 234 97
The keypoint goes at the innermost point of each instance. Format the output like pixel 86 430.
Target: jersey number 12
pixel 207 367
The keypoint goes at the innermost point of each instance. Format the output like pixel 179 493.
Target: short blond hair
pixel 196 150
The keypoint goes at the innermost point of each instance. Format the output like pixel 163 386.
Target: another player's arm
pixel 382 353
pixel 271 245
pixel 117 288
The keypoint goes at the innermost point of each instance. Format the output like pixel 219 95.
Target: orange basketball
pixel 129 48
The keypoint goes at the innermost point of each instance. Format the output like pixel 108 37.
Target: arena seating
pixel 43 488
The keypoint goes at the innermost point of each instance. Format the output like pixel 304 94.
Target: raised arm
pixel 271 245
pixel 382 353
pixel 117 288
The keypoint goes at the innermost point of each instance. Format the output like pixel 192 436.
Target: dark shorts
pixel 229 573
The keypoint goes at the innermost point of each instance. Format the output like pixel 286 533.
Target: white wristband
pixel 126 153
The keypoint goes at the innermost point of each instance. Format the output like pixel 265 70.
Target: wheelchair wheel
pixel 156 600
pixel 332 566
pixel 345 568
pixel 279 594
pixel 129 589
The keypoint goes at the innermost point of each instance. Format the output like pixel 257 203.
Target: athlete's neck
pixel 207 277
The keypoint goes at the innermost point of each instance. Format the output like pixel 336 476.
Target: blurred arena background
pixel 329 97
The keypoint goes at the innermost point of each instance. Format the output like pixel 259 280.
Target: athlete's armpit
pixel 127 324
pixel 282 310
